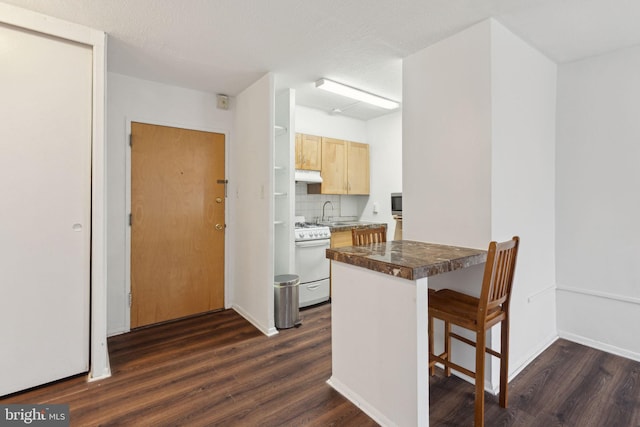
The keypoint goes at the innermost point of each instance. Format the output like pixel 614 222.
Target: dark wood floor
pixel 210 370
pixel 567 385
pixel 218 370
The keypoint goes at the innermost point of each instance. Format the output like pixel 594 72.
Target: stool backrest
pixel 367 236
pixel 498 276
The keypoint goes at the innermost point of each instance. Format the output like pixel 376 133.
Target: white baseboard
pixel 600 345
pixel 357 400
pixel 113 333
pixel 106 374
pixel 583 328
pixel 524 362
pixel 242 312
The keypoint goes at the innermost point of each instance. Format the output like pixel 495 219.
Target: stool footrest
pixel 471 343
pixel 450 364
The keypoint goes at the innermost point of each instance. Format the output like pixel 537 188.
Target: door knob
pixel 218 200
pixel 219 226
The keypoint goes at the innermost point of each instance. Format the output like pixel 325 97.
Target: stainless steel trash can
pixel 286 289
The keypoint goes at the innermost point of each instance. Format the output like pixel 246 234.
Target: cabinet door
pixel 311 147
pixel 298 151
pixel 357 168
pixel 341 238
pixel 334 172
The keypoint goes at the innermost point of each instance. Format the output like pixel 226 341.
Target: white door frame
pixel 127 262
pixel 99 355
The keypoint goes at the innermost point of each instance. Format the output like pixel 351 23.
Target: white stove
pixel 308 231
pixel 312 266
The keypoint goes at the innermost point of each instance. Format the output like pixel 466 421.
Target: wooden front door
pixel 177 227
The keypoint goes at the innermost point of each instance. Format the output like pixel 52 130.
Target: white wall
pixel 317 122
pixel 384 136
pixel 447 141
pixel 523 185
pixel 478 158
pixel 598 177
pixel 131 99
pixel 251 218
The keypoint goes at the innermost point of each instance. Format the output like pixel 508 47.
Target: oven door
pixel 311 260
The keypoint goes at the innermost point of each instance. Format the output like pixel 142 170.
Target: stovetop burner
pixel 306 225
pixel 310 231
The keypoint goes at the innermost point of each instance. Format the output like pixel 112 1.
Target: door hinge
pixel 225 182
pixel 129 299
pixel 130 220
pixel 130 140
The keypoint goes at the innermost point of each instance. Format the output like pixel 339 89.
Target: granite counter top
pixel 348 225
pixel 408 259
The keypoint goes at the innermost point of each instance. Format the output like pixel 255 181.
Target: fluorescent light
pixel 360 95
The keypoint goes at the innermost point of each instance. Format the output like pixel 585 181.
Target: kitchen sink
pixel 338 223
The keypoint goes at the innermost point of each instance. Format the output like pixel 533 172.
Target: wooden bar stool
pixel 366 236
pixel 478 315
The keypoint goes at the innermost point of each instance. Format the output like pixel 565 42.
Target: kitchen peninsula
pixel 379 323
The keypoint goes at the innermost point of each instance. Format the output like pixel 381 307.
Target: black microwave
pixel 396 203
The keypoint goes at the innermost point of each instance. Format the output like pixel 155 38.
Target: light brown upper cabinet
pixel 345 168
pixel 308 152
pixel 334 173
pixel 357 168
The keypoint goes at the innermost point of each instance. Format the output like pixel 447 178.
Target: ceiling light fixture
pixel 360 95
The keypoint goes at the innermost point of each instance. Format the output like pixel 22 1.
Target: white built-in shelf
pixel 279 168
pixel 280 130
pixel 279 194
pixel 278 222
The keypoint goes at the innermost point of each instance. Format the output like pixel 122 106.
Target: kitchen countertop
pixel 348 225
pixel 408 259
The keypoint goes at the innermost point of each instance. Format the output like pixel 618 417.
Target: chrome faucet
pixel 324 206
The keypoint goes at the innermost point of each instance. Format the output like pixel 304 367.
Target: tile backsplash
pixel 310 205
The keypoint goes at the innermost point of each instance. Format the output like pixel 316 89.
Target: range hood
pixel 307 176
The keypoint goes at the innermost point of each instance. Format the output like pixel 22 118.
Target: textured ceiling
pixel 222 46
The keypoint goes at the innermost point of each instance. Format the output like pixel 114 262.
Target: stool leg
pixel 447 347
pixel 480 349
pixel 504 362
pixel 432 367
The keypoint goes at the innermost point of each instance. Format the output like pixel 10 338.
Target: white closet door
pixel 45 194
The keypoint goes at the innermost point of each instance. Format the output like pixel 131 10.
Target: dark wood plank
pixel 217 370
pixel 567 385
